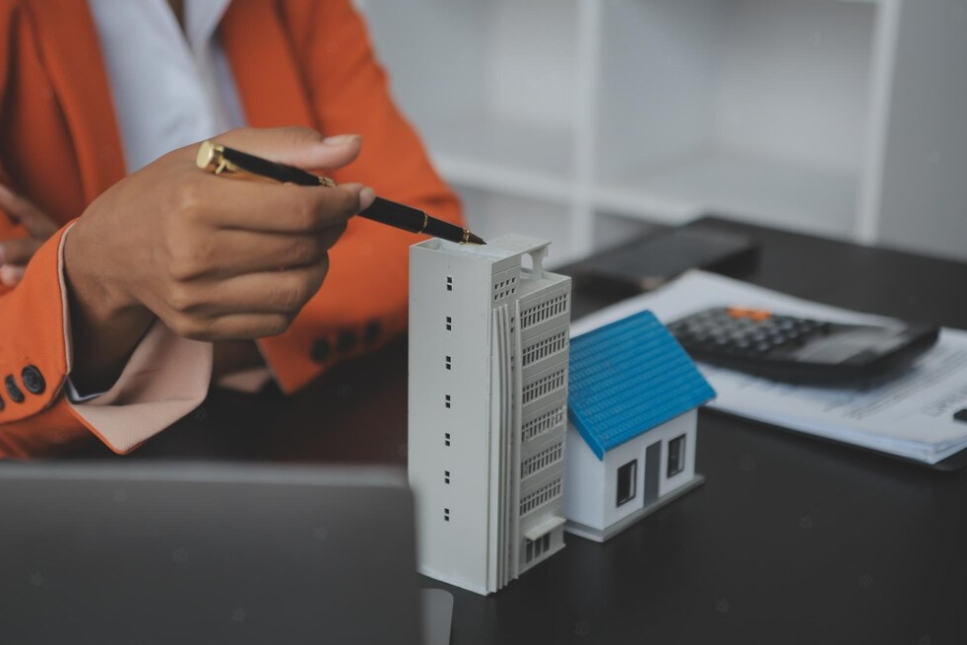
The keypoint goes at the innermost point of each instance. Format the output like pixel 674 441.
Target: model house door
pixel 652 471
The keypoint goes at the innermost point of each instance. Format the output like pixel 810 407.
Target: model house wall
pixel 632 440
pixel 594 498
pixel 488 363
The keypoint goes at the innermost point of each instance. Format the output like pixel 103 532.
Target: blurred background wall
pixel 584 121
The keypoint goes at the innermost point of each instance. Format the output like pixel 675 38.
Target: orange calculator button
pixel 758 315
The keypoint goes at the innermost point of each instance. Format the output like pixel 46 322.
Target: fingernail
pixel 11 276
pixel 341 139
pixel 366 198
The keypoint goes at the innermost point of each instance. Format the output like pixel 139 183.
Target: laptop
pixel 207 553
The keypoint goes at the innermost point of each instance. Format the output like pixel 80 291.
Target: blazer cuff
pixel 166 378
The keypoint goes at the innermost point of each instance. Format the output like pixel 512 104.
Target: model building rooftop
pixel 504 249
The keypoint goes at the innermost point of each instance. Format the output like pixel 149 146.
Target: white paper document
pixel 910 416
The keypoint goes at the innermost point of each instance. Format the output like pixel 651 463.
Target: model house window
pixel 448 362
pixel 449 283
pixel 446 439
pixel 446 515
pixel 447 400
pixel 446 476
pixel 676 455
pixel 449 323
pixel 627 486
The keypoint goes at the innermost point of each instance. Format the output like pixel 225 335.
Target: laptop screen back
pixel 155 553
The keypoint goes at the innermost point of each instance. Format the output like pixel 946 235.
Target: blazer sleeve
pixel 363 302
pixel 165 378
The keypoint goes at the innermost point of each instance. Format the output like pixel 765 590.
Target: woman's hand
pixel 16 252
pixel 213 258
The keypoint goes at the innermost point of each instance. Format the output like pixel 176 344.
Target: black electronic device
pixel 800 350
pixel 158 553
pixel 647 263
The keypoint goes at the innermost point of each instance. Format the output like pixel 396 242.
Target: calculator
pixel 801 350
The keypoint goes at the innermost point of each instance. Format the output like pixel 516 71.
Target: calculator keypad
pixel 745 332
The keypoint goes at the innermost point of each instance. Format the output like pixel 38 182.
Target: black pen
pixel 221 160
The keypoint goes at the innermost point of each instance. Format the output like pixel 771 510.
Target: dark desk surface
pixel 791 540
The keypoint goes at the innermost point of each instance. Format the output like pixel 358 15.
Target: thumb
pixel 22 210
pixel 301 147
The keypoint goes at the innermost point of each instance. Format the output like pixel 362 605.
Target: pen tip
pixel 474 239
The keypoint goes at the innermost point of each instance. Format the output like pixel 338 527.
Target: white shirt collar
pixel 201 20
pixel 169 88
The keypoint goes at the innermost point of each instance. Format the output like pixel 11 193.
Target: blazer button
pixel 320 351
pixel 33 380
pixel 345 341
pixel 12 390
pixel 372 331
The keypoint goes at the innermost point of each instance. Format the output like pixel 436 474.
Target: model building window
pixel 449 283
pixel 676 455
pixel 447 400
pixel 449 323
pixel 446 439
pixel 448 362
pixel 627 482
pixel 446 515
pixel 446 476
pixel 536 548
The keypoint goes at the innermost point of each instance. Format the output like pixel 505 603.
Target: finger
pixel 231 252
pixel 22 210
pixel 247 326
pixel 296 146
pixel 283 292
pixel 269 207
pixel 10 275
pixel 19 250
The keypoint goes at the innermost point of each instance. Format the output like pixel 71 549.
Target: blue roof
pixel 628 377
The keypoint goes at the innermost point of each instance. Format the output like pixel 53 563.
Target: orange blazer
pixel 296 62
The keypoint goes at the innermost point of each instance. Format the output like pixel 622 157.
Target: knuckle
pixel 305 250
pixel 304 215
pixel 190 200
pixel 269 325
pixel 279 324
pixel 183 264
pixel 294 296
pixel 189 327
pixel 181 298
pixel 348 204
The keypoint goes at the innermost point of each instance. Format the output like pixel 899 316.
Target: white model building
pixel 631 442
pixel 488 375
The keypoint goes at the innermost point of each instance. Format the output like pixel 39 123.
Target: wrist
pixel 92 286
pixel 106 324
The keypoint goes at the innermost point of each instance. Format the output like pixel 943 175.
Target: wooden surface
pixel 791 540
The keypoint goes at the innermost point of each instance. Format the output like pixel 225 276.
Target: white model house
pixel 631 440
pixel 488 378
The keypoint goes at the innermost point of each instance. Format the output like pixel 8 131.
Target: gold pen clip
pixel 213 158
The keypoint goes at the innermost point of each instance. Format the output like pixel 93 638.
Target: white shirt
pixel 170 88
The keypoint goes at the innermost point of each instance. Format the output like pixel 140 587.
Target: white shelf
pixel 756 189
pixel 520 158
pixel 822 116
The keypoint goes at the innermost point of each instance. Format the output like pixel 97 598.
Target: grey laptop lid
pixel 155 553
